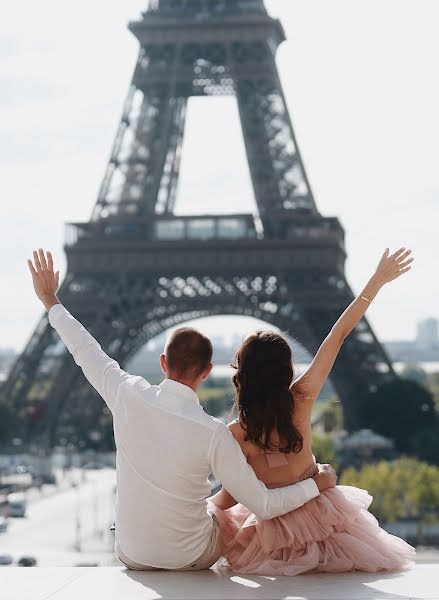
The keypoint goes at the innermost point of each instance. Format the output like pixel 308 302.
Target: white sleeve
pixel 230 467
pixel 104 373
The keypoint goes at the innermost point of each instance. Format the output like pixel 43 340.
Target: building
pixel 427 333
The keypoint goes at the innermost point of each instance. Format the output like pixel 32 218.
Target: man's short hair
pixel 188 352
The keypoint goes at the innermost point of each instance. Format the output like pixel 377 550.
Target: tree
pixel 6 417
pixel 433 386
pixel 377 480
pixel 424 496
pixel 425 445
pixel 331 416
pixel 415 373
pixel 399 409
pixel 323 449
pixel 423 491
pixel 216 399
pixel 400 489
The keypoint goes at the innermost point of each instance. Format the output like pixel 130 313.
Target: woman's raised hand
pixel 393 265
pixel 45 281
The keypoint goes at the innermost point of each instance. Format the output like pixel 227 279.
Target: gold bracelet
pixel 365 297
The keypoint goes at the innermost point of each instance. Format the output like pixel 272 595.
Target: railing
pixel 204 227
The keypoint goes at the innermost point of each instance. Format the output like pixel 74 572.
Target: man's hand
pixel 326 477
pixel 45 281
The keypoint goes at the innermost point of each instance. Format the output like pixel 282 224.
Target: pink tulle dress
pixel 332 533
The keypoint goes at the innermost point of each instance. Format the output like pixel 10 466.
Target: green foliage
pixel 6 418
pixel 433 386
pixel 330 415
pixel 425 445
pixel 403 488
pixel 323 449
pixel 216 398
pixel 423 493
pixel 415 373
pixel 398 410
pixel 376 479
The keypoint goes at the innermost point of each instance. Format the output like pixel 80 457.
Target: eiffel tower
pixel 136 269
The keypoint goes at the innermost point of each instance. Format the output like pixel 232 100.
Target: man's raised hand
pixel 45 280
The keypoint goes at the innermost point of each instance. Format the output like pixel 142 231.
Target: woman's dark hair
pixel 263 399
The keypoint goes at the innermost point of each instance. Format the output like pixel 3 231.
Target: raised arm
pixel 104 373
pixel 390 267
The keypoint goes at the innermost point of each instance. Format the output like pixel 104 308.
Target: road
pixel 69 526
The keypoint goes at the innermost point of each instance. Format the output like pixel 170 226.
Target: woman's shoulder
pixel 239 433
pixel 237 430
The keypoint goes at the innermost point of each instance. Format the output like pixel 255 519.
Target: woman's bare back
pixel 278 469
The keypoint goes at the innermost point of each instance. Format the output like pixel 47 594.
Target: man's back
pixel 162 436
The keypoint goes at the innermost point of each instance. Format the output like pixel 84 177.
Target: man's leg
pixel 211 554
pixel 128 563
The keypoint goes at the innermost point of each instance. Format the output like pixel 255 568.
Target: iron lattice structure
pixel 136 269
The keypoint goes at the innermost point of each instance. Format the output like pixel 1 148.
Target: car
pixel 6 560
pixel 48 479
pixel 17 505
pixel 3 524
pixel 92 466
pixel 27 561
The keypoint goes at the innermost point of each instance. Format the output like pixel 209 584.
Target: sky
pixel 360 78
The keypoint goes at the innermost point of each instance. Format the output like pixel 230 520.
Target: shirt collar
pixel 179 389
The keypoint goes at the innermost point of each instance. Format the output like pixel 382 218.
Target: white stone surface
pixel 114 583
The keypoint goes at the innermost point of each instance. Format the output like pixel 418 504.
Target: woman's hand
pixel 394 265
pixel 45 281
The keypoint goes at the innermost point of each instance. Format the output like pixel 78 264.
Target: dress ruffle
pixel 332 533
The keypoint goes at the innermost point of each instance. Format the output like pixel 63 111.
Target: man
pixel 167 446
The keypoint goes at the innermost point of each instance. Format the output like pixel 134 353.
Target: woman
pixel 334 532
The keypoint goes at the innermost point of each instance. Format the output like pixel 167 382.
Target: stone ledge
pixel 115 583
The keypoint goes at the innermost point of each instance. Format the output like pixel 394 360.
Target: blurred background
pixel 359 81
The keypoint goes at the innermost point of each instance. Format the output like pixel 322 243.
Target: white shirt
pixel 166 448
